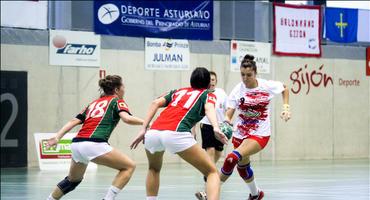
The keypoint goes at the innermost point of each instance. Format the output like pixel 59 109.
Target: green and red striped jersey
pixel 100 118
pixel 184 108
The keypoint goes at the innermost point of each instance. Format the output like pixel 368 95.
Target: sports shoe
pixel 201 195
pixel 257 197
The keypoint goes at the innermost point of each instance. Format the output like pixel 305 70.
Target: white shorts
pixel 85 151
pixel 174 142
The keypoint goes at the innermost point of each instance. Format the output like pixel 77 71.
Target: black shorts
pixel 208 138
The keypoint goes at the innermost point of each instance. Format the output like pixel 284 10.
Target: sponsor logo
pixel 252 114
pixel 168 45
pixel 61 151
pixel 234 45
pixel 108 13
pixel 312 43
pixel 234 60
pixel 63 47
pixel 59 41
pixel 122 105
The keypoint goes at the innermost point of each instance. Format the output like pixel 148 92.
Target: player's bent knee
pixel 245 171
pixel 132 166
pixel 129 166
pixel 66 185
pixel 211 170
pixel 230 161
pixel 155 169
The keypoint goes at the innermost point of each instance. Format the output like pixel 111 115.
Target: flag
pixel 341 24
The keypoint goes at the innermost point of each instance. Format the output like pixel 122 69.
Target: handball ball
pixel 226 129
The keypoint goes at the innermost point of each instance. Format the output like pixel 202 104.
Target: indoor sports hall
pixel 58 58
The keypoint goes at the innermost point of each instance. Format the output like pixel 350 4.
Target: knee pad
pixel 66 186
pixel 230 161
pixel 245 171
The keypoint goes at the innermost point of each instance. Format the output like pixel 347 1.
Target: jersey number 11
pixel 192 96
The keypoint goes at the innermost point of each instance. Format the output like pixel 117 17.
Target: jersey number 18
pixel 97 109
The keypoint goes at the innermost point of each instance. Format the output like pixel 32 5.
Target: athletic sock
pixel 50 197
pixel 151 198
pixel 112 193
pixel 253 188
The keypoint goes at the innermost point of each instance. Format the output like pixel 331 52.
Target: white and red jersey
pixel 99 118
pixel 253 106
pixel 184 108
pixel 221 104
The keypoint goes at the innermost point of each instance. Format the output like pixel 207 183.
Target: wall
pixel 329 122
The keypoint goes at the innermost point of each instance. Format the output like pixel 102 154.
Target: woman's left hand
pixel 285 114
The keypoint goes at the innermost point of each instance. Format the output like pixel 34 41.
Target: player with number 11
pixel 171 131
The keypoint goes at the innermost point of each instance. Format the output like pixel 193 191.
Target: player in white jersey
pixel 210 143
pixel 251 98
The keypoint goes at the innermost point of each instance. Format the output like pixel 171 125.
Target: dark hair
pixel 248 62
pixel 213 73
pixel 200 78
pixel 109 84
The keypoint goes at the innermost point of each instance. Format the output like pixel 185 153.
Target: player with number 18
pixel 98 120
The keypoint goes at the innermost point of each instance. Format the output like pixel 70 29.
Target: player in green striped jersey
pixel 171 131
pixel 91 143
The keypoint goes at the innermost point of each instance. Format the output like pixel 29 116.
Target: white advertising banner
pixel 167 54
pixel 58 157
pixel 24 14
pixel 260 51
pixel 297 30
pixel 74 48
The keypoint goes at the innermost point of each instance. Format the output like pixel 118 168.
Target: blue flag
pixel 341 24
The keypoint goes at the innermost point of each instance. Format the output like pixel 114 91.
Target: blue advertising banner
pixel 160 19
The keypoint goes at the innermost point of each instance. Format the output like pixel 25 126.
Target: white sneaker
pixel 201 195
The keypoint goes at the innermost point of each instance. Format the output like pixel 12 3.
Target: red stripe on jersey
pixel 211 98
pixel 182 102
pixel 94 115
pixel 193 102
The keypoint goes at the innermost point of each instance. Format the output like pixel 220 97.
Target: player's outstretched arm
pixel 285 114
pixel 229 115
pixel 157 103
pixel 65 129
pixel 211 115
pixel 132 120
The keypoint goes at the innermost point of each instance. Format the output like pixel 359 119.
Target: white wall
pixel 329 122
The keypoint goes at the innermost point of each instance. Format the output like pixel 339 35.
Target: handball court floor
pixel 298 180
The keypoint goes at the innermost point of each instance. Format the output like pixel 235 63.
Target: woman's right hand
pixel 220 136
pixel 138 139
pixel 52 142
